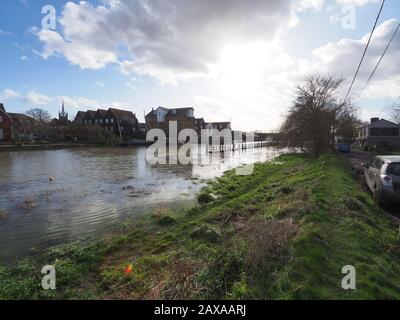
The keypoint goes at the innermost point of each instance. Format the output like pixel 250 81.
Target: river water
pixel 56 196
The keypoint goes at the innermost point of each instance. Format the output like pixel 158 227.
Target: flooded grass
pixel 284 232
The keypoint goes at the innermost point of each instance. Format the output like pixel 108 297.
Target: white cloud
pixel 341 58
pixel 82 103
pixel 76 53
pixel 24 58
pixel 35 98
pixel 8 94
pixel 315 5
pixel 167 40
pixel 358 3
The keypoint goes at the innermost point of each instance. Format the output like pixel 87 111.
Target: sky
pixel 232 60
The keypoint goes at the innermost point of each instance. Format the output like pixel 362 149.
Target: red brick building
pixel 5 125
pixel 120 122
pixel 15 126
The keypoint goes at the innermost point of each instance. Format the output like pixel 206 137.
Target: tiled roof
pixel 20 116
pixel 102 112
pixel 123 114
pixel 91 113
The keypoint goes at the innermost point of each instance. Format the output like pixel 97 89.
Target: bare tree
pixel 39 115
pixel 313 119
pixel 394 110
pixel 347 126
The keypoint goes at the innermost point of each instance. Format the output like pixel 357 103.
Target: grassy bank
pixel 283 233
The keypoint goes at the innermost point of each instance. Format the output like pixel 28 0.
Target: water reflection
pixel 55 196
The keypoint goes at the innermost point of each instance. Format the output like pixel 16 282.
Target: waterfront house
pixel 80 116
pixel 161 117
pixel 15 126
pixel 22 126
pixel 200 124
pixel 5 125
pixel 121 122
pixel 100 117
pixel 89 117
pixel 379 133
pixel 219 125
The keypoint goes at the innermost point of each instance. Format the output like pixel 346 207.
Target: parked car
pixel 382 177
pixel 343 145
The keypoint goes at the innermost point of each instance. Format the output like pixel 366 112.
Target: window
pixel 384 132
pixel 101 120
pixel 394 169
pixel 95 121
pixel 106 120
pixel 1 118
pixel 112 120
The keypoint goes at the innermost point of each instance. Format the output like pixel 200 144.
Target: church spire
pixel 63 116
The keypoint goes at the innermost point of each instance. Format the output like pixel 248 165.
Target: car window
pixel 394 169
pixel 377 164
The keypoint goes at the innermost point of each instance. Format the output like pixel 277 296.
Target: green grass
pixel 284 232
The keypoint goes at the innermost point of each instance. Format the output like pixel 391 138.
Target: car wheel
pixel 363 183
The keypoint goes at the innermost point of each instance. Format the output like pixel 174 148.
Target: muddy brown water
pixel 57 196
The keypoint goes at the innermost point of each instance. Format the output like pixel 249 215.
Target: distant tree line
pixel 45 130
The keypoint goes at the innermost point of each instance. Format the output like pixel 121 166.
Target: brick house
pixel 5 125
pixel 15 126
pixel 100 117
pixel 219 125
pixel 22 126
pixel 80 116
pixel 89 117
pixel 161 117
pixel 200 124
pixel 120 122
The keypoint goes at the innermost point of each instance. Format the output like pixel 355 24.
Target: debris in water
pixel 3 214
pixel 29 204
pixel 51 179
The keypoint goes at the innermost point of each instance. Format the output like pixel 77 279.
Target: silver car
pixel 382 177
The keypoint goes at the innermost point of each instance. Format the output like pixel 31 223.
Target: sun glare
pixel 241 69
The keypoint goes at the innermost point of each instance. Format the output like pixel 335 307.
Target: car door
pixel 367 173
pixel 375 173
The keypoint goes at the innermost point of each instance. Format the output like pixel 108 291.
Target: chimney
pixel 2 107
pixel 373 120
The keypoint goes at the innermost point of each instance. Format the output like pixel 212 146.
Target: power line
pixel 365 51
pixel 380 60
pixel 383 54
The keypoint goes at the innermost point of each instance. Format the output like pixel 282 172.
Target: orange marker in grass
pixel 128 269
